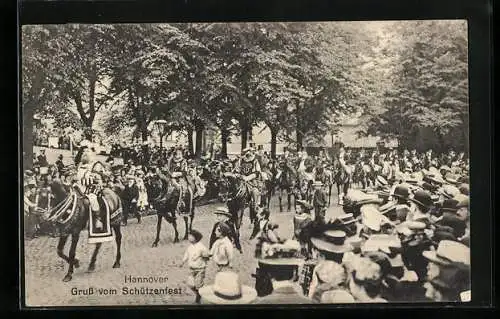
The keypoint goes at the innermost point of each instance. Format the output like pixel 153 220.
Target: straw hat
pixel 222 211
pixel 449 252
pixel 332 241
pixel 227 289
pixel 372 218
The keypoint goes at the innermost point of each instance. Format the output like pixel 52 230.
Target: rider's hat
pixel 317 183
pixel 222 211
pixel 248 149
pixel 305 205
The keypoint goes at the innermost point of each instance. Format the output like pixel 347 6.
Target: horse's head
pixel 229 186
pixel 51 193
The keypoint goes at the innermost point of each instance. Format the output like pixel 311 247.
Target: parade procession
pixel 218 163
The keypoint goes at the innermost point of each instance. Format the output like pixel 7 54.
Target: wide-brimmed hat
pixel 304 204
pixel 445 168
pixel 381 242
pixel 387 207
pixel 222 211
pixel 449 252
pixel 410 227
pixel 449 191
pixel 372 218
pixel 382 181
pixel 464 189
pixel 463 201
pixel 281 261
pixel 332 241
pixel 451 178
pixel 247 149
pixel 344 219
pixel 451 278
pixel 227 289
pixel 449 205
pixel 422 198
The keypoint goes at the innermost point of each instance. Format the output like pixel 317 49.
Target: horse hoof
pixel 76 263
pixel 91 267
pixel 116 265
pixel 176 240
pixel 67 278
pixel 154 245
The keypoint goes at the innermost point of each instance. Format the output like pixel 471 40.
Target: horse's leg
pixel 289 199
pixel 174 224
pixel 72 251
pixel 94 256
pixel 118 239
pixel 60 250
pixel 186 224
pixel 158 229
pixel 329 194
pixel 280 193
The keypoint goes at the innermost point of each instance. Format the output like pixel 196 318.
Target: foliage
pixel 429 92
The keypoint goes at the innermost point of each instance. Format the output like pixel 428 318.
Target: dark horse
pixel 285 181
pixel 165 200
pixel 69 211
pixel 237 197
pixel 341 179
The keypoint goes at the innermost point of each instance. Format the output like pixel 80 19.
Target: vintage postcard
pixel 245 163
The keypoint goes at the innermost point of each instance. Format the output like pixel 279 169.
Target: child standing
pixel 196 257
pixel 222 249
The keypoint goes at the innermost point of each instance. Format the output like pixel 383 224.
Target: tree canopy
pixel 296 78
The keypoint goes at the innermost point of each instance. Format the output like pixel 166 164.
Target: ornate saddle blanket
pixel 100 222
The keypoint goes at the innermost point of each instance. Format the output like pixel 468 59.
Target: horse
pixel 285 181
pixel 341 178
pixel 68 210
pixel 268 183
pixel 165 199
pixel 237 197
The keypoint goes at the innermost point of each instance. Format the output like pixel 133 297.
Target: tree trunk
pixel 199 128
pixel 223 137
pixel 144 133
pixel 244 136
pixel 28 111
pixel 298 130
pixel 274 134
pixel 190 140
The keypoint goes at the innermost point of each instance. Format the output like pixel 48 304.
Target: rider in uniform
pixel 86 181
pixel 178 170
pixel 249 168
pixel 344 161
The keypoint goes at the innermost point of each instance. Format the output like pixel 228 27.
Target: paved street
pixel 45 270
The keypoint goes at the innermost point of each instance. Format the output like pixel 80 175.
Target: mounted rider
pixel 87 181
pixel 248 168
pixel 343 160
pixel 177 167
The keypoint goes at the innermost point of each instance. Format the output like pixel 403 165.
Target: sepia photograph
pixel 245 163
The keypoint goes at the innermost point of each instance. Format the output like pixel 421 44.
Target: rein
pixel 52 214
